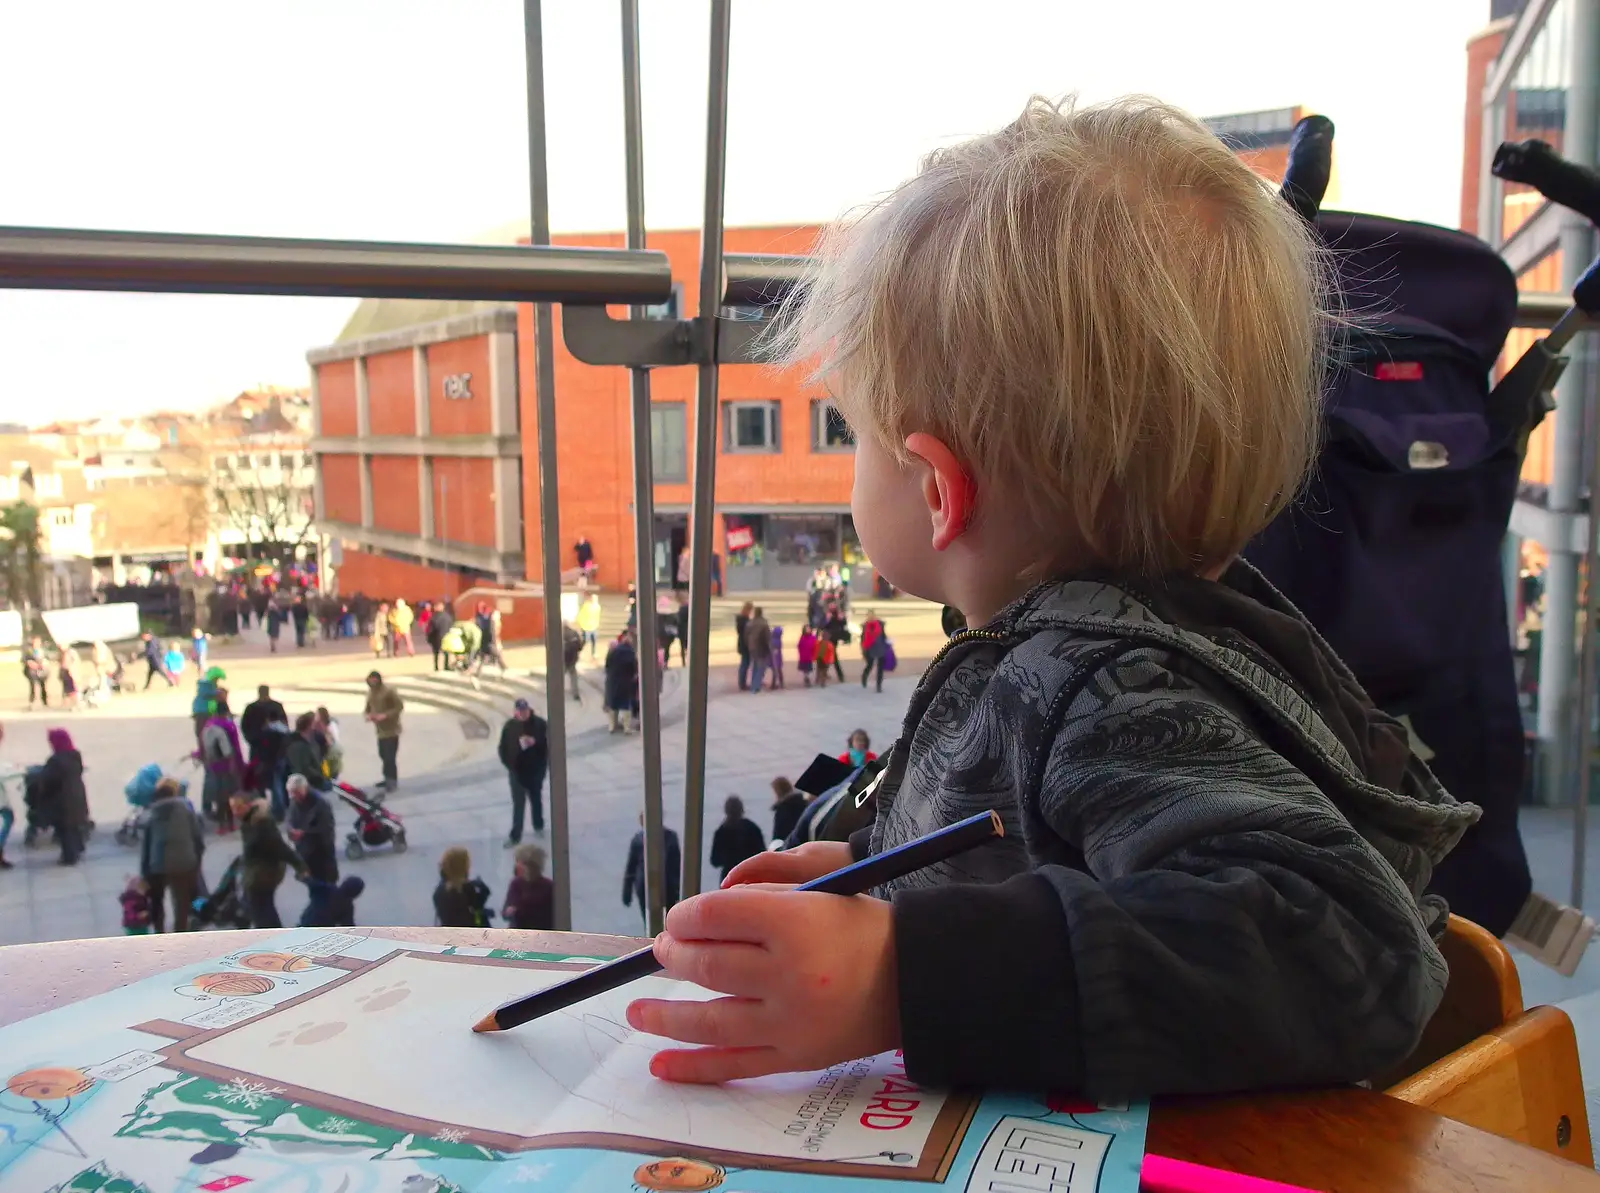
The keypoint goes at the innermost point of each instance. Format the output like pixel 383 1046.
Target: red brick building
pixel 427 445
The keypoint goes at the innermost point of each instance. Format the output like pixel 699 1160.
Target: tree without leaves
pixel 266 514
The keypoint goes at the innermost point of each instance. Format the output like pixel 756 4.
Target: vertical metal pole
pixel 644 506
pixel 705 447
pixel 544 384
pixel 1576 391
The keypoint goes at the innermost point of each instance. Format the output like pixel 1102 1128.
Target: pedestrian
pixel 378 632
pixel 305 753
pixel 332 742
pixel 460 901
pixel 667 632
pixel 583 552
pixel 274 616
pixel 571 652
pixel 806 652
pixel 175 659
pixel 264 725
pixel 63 801
pixel 108 665
pixel 438 626
pixel 525 753
pixel 741 643
pixel 170 855
pixel 874 645
pixel 265 857
pixel 135 900
pixel 199 648
pixel 300 613
pixel 400 619
pixel 67 676
pixel 683 626
pixel 311 830
pixel 530 897
pixel 36 671
pixel 622 683
pixel 827 658
pixel 589 622
pixel 487 620
pixel 736 838
pixel 633 888
pixel 777 656
pixel 837 631
pixel 222 757
pixel 858 749
pixel 154 660
pixel 205 696
pixel 332 906
pixel 788 802
pixel 383 709
pixel 758 644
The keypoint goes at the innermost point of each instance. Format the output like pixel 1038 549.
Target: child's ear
pixel 947 487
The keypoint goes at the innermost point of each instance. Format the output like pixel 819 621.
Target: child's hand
pixel 812 979
pixel 801 864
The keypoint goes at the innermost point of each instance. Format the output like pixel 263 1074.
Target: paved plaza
pixel 453 790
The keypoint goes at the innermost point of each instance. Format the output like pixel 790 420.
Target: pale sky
pixel 406 120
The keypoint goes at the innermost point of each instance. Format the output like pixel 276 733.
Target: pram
pixel 376 826
pixel 1393 550
pixel 224 906
pixel 460 645
pixel 39 830
pixel 141 789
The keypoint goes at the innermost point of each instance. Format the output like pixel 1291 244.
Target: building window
pixel 224 464
pixel 829 431
pixel 668 309
pixel 803 539
pixel 244 463
pixel 308 459
pixel 750 426
pixel 744 314
pixel 669 441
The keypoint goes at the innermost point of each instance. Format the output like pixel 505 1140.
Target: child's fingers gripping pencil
pixel 854 879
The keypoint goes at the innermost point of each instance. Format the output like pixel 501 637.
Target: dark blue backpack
pixel 1393 551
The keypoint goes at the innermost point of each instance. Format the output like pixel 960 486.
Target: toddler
pixel 1082 358
pixel 135 900
pixel 805 650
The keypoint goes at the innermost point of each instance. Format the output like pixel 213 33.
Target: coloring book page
pixel 333 1063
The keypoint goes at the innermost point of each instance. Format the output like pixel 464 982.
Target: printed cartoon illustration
pixel 369 1060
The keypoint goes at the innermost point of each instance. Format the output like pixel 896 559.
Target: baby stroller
pixel 224 906
pixel 141 789
pixel 376 826
pixel 40 829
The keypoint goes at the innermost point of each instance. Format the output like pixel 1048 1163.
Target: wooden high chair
pixel 1485 1061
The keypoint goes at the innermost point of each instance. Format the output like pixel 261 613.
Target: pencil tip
pixel 487 1023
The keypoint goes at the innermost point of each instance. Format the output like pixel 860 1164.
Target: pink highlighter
pixel 1162 1175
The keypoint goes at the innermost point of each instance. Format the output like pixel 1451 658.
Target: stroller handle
pixel 1305 178
pixel 1536 164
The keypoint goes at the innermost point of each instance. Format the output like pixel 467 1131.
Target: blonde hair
pixel 1104 314
pixel 531 858
pixel 455 865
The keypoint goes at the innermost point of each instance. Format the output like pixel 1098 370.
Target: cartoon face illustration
pixel 232 985
pixel 276 963
pixel 48 1085
pixel 677 1175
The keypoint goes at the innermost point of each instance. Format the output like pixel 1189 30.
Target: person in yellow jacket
pixel 400 618
pixel 589 621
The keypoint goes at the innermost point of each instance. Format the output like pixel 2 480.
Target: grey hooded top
pixel 1215 858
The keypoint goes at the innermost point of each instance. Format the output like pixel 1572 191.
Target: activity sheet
pixel 333 1063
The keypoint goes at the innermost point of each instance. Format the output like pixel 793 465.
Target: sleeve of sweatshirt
pixel 1229 929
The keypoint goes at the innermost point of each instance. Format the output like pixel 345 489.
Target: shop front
pixel 779 551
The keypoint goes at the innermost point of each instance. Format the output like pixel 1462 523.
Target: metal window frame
pixel 771 408
pixel 819 430
pixel 680 475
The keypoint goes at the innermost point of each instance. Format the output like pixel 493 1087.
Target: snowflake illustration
pixel 528 1174
pixel 252 1095
pixel 450 1135
pixel 336 1126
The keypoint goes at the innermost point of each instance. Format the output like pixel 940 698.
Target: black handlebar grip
pixel 1535 164
pixel 1305 179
